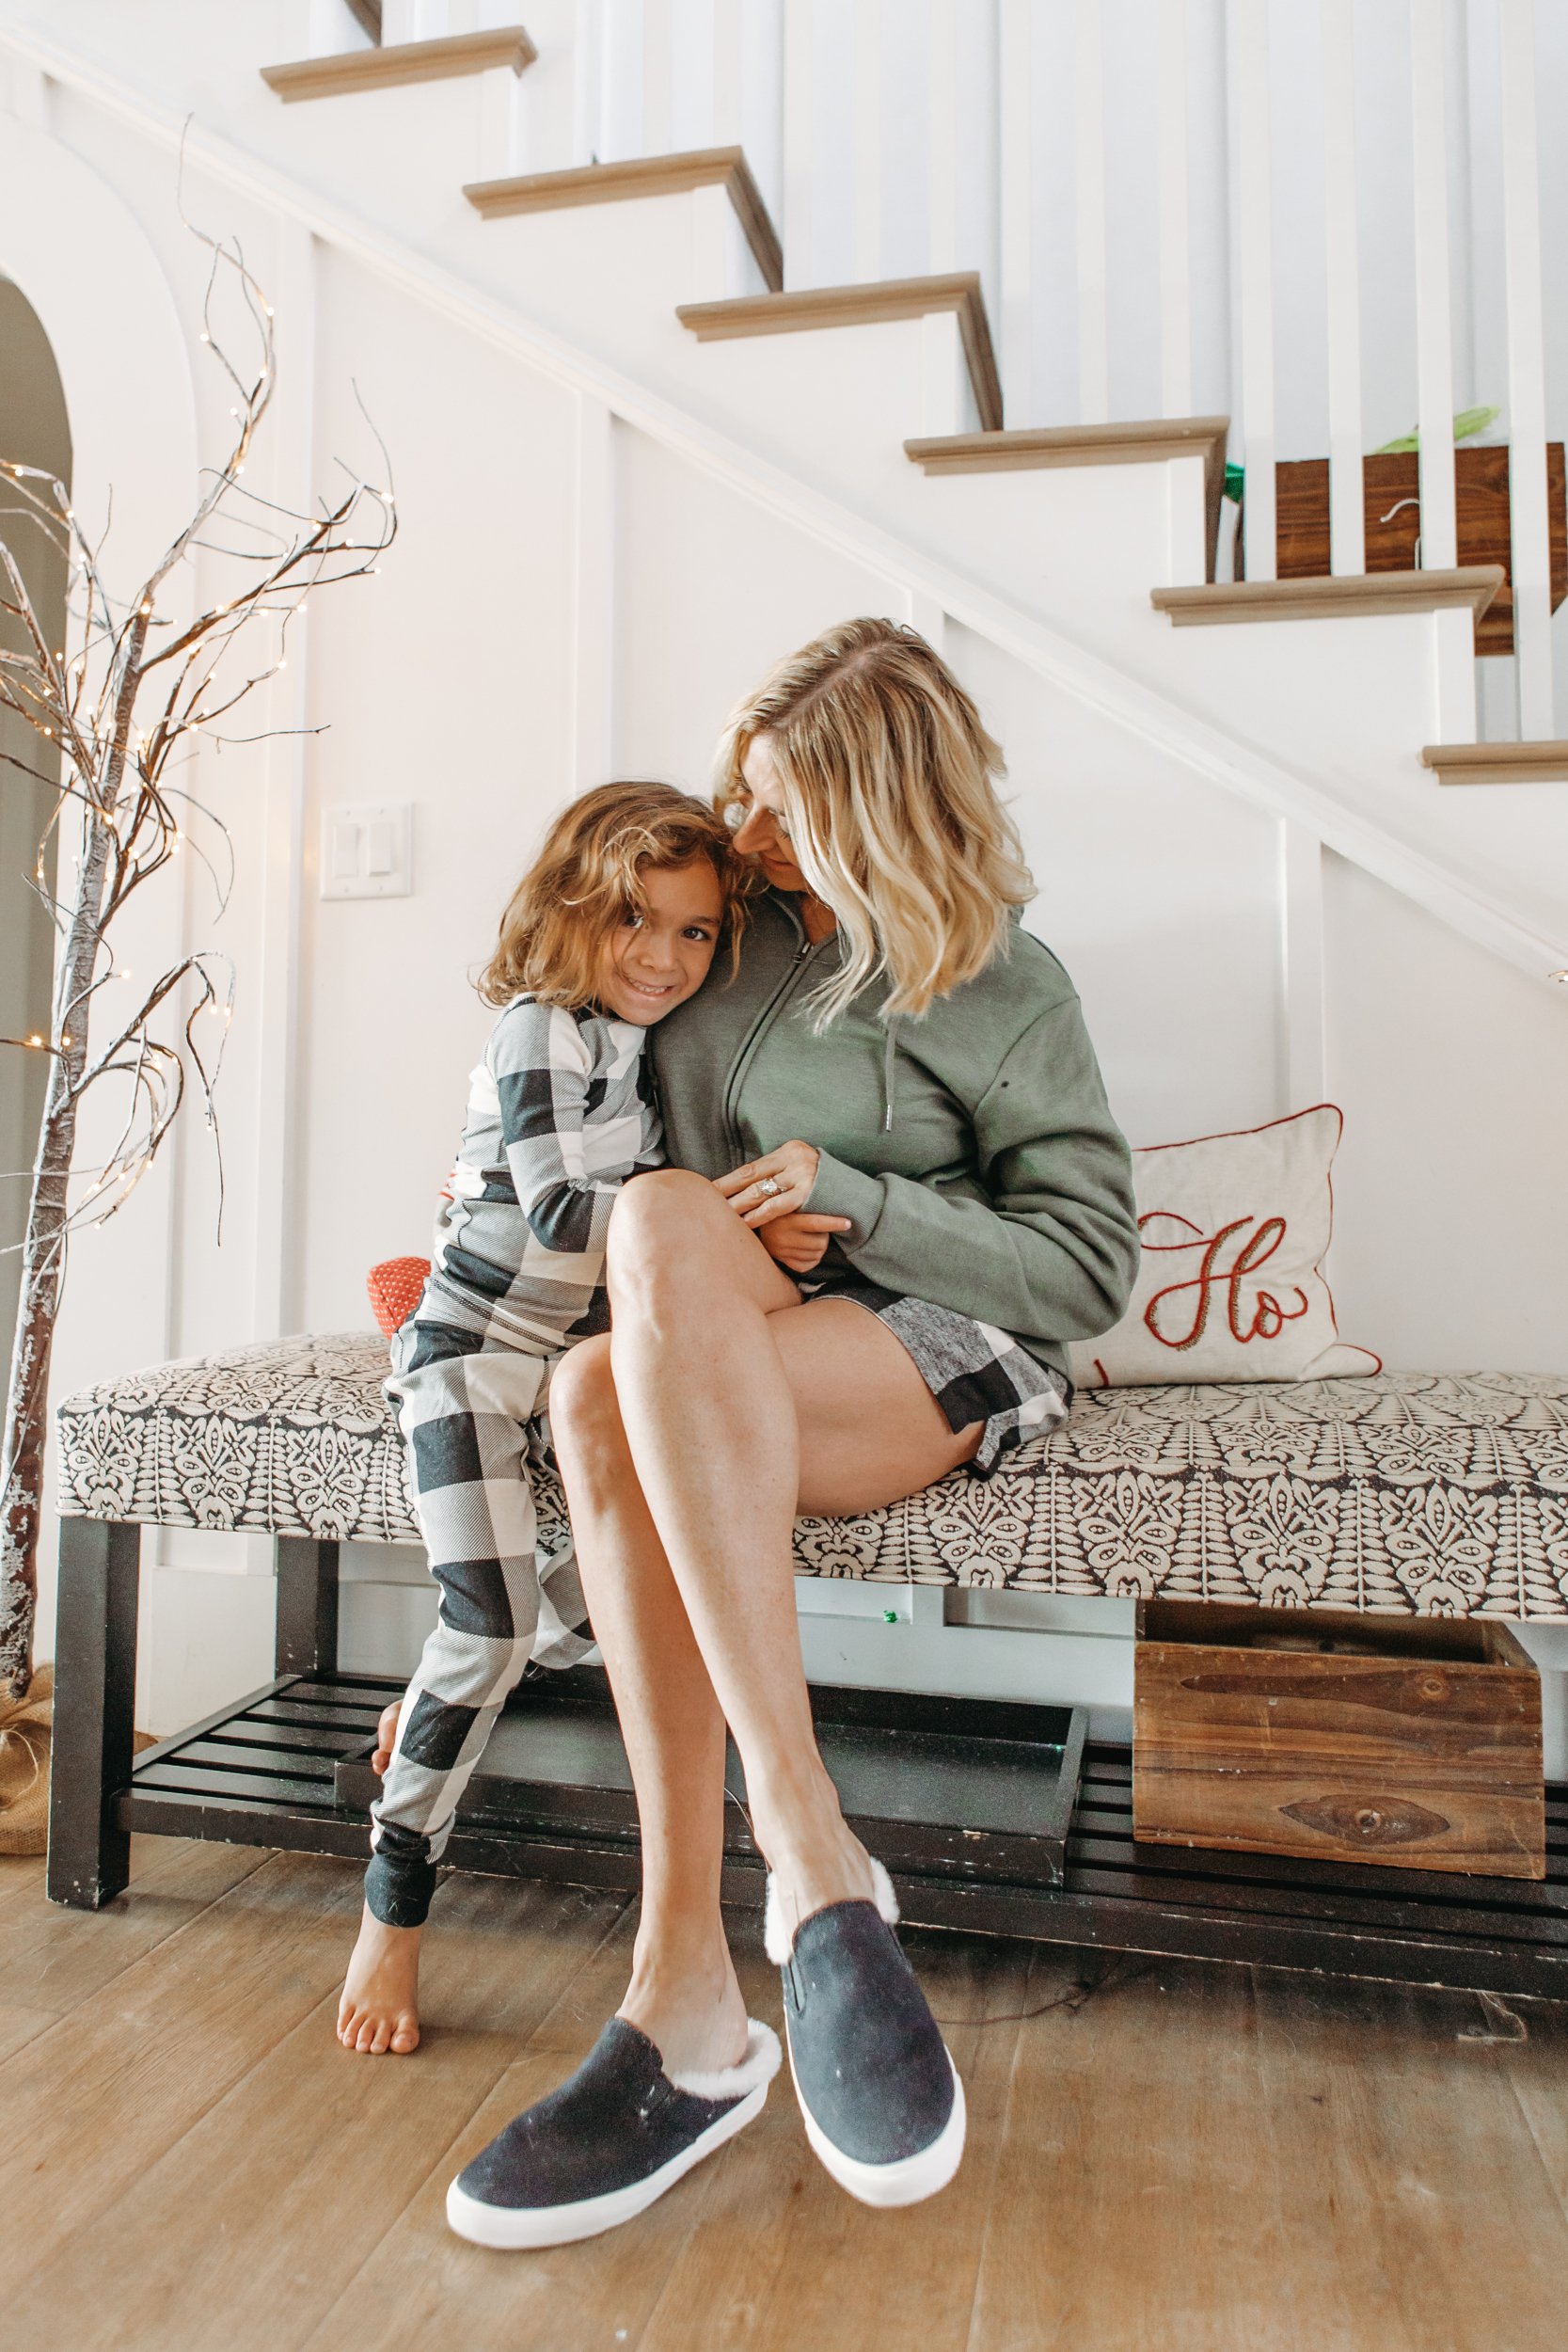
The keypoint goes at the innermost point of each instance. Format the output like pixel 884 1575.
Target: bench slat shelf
pixel 1426 1927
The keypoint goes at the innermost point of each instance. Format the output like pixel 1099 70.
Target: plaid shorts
pixel 976 1371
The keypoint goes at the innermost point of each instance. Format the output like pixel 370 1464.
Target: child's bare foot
pixel 379 2010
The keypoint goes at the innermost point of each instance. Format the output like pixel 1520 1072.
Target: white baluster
pixel 1346 508
pixel 1014 208
pixel 1526 375
pixel 941 134
pixel 621 105
pixel 1455 716
pixel 1255 240
pixel 412 20
pixel 692 75
pixel 1088 113
pixel 728 28
pixel 868 138
pixel 762 75
pixel 1176 290
pixel 658 70
pixel 1434 325
pixel 800 260
pixel 588 67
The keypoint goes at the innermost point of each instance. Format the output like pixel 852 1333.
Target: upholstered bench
pixel 1445 1493
pixel 1403 1491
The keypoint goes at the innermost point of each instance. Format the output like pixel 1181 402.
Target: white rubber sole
pixel 908 2181
pixel 517 2227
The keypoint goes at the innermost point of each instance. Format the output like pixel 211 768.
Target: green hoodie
pixel 971 1149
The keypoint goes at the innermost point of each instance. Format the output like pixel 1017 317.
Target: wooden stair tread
pixel 642 176
pixel 871 305
pixel 1152 441
pixel 1144 443
pixel 1345 596
pixel 1540 762
pixel 440 60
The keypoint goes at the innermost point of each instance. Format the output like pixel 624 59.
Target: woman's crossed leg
pixel 721 1406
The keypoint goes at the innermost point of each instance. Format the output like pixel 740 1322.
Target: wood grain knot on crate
pixel 1412 1742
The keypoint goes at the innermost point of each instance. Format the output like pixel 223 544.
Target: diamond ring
pixel 769 1187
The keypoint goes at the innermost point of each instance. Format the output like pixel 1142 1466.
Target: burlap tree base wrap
pixel 25 1730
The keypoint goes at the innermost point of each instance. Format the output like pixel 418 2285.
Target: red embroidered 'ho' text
pixel 1269 1317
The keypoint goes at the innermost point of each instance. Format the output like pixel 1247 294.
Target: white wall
pixel 467 681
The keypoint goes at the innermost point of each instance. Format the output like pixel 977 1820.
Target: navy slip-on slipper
pixel 880 2098
pixel 607 2143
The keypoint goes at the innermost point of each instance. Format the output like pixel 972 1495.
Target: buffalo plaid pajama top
pixel 561 1114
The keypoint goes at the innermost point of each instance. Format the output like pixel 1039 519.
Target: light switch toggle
pixel 367 851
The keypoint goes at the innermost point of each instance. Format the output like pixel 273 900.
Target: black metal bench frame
pixel 1417 1926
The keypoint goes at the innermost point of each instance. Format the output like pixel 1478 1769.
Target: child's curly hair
pixel 585 882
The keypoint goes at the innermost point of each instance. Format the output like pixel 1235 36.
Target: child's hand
pixel 774 1185
pixel 800 1241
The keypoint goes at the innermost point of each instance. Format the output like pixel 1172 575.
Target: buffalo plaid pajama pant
pixel 472 1411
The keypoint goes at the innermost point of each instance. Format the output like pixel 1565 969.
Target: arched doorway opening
pixel 35 430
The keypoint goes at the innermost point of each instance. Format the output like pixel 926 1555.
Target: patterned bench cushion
pixel 1445 1493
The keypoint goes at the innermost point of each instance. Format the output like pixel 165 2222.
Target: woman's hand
pixel 774 1186
pixel 800 1241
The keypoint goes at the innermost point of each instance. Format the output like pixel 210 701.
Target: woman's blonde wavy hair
pixel 585 881
pixel 890 805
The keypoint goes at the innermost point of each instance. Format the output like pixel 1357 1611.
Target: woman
pixel 897 1194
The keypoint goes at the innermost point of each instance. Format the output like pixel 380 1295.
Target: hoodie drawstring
pixel 889 1077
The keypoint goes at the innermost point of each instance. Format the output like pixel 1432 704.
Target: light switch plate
pixel 367 851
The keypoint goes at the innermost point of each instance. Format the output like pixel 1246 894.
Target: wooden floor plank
pixel 18 2025
pixel 21 1875
pixel 1173 2157
pixel 87 2106
pixel 785 2262
pixel 54 1958
pixel 1536 2065
pixel 425 2287
pixel 1135 2206
pixel 1398 2137
pixel 329 2147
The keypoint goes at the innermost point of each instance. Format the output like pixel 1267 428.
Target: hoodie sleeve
pixel 1052 1254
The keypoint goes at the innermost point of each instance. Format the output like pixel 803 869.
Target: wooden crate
pixel 1411 1743
pixel 1391 513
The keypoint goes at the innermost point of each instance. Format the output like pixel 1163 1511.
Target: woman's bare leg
pixel 868 1432
pixel 739 1407
pixel 683 1991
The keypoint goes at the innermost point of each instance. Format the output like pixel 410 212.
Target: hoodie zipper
pixel 764 1021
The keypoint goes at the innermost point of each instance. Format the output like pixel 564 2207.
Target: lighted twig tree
pixel 121 704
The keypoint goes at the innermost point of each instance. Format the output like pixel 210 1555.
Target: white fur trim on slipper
pixel 778 1936
pixel 759 2067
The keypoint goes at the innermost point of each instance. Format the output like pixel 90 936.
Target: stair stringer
pixel 924 582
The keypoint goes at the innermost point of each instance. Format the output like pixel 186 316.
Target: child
pixel 615 924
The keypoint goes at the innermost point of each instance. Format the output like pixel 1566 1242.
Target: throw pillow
pixel 394 1287
pixel 1234 1230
